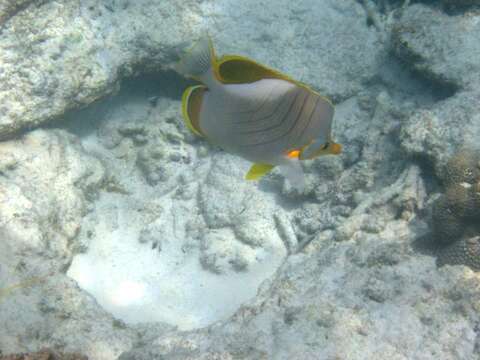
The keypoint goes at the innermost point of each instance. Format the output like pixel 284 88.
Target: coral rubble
pixel 44 354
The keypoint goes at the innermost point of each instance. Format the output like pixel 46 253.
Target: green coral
pixel 456 213
pixel 463 167
pixel 447 227
pixel 463 252
pixel 476 200
pixel 461 200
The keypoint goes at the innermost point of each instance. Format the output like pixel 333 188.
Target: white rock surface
pixel 47 182
pixel 60 55
pixel 186 241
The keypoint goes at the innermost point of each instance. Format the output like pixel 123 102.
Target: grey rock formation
pixel 41 209
pixel 435 134
pixel 64 55
pixel 47 182
pixel 460 4
pixel 441 47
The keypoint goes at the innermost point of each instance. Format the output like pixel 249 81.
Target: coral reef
pixel 140 231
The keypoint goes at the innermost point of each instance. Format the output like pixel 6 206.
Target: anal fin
pixel 257 171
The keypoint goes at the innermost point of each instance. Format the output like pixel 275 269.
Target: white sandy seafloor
pixel 124 236
pixel 142 263
pixel 138 284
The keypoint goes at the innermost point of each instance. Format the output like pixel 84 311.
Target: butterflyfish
pixel 255 112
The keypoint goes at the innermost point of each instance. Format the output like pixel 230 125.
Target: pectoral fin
pixel 191 104
pixel 257 171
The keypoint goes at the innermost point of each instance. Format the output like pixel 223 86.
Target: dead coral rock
pixel 434 135
pixel 45 354
pixel 441 48
pixel 460 4
pixel 9 8
pixel 463 252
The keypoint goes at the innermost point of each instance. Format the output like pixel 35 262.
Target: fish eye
pixel 325 146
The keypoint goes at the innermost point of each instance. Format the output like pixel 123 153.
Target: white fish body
pixel 268 119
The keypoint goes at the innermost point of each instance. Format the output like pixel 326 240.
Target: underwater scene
pixel 239 179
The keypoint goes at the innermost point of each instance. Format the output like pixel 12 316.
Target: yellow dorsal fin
pixel 235 69
pixel 191 104
pixel 258 170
